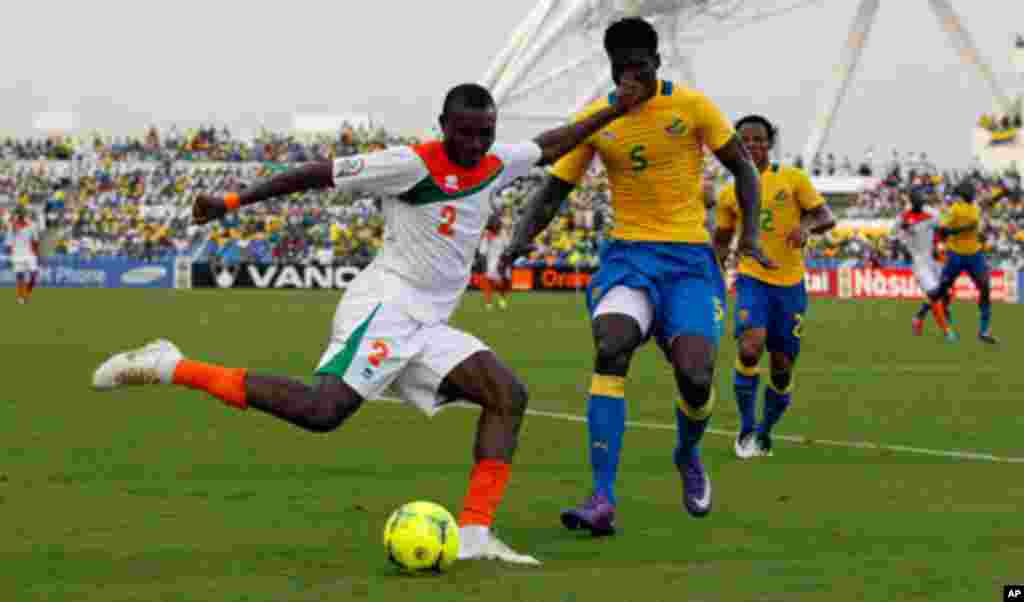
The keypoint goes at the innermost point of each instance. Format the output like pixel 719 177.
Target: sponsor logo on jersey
pixel 451 182
pixel 744 315
pixel 346 168
pixel 607 135
pixel 780 198
pixel 678 128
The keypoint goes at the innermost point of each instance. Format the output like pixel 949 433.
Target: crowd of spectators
pixel 130 197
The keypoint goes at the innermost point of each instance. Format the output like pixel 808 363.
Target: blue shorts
pixel 683 283
pixel 975 266
pixel 778 309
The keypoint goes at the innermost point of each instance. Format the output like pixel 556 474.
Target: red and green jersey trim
pixel 447 181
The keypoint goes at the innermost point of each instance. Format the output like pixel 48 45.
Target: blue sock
pixel 606 419
pixel 746 382
pixel 986 317
pixel 690 426
pixel 925 308
pixel 775 405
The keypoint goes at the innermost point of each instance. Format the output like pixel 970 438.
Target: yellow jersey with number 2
pixel 963 214
pixel 654 157
pixel 786 193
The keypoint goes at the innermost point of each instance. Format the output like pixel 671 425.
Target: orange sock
pixel 486 490
pixel 226 384
pixel 939 311
pixel 488 288
pixel 21 290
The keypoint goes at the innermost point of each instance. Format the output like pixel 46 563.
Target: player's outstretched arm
pixel 736 159
pixel 947 231
pixel 312 176
pixel 556 143
pixel 540 210
pixel 817 221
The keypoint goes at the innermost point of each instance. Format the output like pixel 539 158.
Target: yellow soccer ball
pixel 422 537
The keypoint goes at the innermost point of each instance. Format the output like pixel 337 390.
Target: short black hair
pixel 467 96
pixel 632 32
pixel 965 189
pixel 759 120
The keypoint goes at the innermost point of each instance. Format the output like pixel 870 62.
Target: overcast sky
pixel 123 64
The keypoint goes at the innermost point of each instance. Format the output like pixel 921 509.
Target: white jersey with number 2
pixel 435 212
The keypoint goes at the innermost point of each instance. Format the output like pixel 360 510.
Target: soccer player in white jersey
pixel 390 331
pixel 494 242
pixel 24 249
pixel 917 230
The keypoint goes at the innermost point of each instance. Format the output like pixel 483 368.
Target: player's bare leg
pixel 21 285
pixel 616 337
pixel 777 398
pixel 693 360
pixel 488 288
pixel 983 282
pixel 746 383
pixel 320 408
pixel 939 300
pixel 31 285
pixel 484 380
pixel 503 288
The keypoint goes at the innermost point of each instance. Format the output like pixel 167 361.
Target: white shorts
pixel 492 270
pixel 25 264
pixel 928 275
pixel 632 302
pixel 379 351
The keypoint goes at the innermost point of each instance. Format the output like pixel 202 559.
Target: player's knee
pixel 750 351
pixel 614 354
pixel 515 398
pixel 695 383
pixel 781 379
pixel 329 410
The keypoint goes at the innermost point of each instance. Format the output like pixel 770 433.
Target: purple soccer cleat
pixel 696 488
pixel 596 514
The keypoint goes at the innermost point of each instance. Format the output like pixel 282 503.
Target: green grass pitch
pixel 166 494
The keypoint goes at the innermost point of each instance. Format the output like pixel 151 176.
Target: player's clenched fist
pixel 631 94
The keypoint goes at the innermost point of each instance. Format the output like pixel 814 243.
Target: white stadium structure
pixel 553 63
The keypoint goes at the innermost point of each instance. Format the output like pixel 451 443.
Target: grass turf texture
pixel 166 494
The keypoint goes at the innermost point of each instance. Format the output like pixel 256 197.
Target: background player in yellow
pixel 658 273
pixel 961 227
pixel 770 304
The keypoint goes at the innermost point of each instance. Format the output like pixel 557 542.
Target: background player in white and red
pixel 391 332
pixel 495 240
pixel 918 229
pixel 24 254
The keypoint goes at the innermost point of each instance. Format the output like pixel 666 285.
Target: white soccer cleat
pixel 745 446
pixel 150 365
pixel 479 543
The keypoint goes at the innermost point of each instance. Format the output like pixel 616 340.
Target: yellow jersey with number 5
pixel 963 214
pixel 654 157
pixel 786 193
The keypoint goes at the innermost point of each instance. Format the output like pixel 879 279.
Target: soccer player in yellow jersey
pixel 658 274
pixel 961 227
pixel 770 305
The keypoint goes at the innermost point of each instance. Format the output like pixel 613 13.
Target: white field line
pixel 799 439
